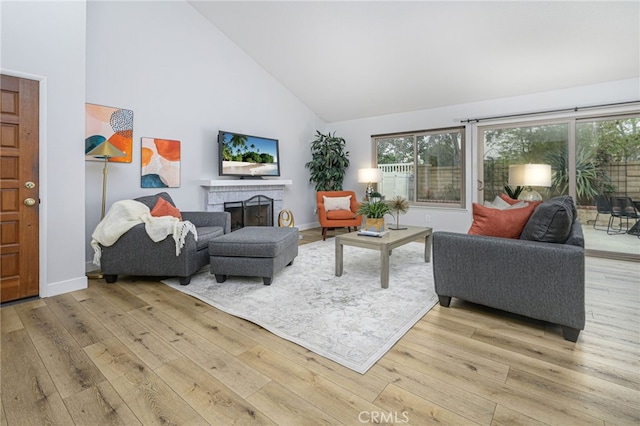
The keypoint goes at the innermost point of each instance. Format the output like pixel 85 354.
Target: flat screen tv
pixel 247 156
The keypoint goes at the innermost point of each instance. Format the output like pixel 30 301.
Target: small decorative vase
pixel 375 225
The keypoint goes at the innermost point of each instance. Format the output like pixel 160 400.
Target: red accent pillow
pixel 165 208
pixel 507 223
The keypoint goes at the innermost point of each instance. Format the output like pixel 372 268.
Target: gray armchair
pixel 136 254
pixel 539 280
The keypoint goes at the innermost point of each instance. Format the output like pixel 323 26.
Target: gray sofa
pixel 532 277
pixel 136 254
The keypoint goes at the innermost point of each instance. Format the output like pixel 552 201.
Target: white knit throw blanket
pixel 124 215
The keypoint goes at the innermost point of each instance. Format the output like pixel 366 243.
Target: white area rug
pixel 350 319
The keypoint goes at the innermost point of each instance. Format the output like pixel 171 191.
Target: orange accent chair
pixel 337 218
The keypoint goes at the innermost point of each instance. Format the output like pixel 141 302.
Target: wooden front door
pixel 19 188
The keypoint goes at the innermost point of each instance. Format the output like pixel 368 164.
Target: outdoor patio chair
pixel 603 206
pixel 621 208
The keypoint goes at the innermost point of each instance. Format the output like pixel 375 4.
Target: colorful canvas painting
pixel 107 123
pixel 160 163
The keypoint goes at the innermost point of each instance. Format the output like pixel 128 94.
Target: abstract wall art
pixel 159 163
pixel 112 124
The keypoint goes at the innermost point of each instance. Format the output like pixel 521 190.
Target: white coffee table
pixel 384 244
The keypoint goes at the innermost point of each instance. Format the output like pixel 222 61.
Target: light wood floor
pixel 139 352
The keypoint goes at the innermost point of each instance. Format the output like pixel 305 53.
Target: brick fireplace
pixel 219 192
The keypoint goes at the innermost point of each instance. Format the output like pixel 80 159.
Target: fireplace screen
pixel 256 211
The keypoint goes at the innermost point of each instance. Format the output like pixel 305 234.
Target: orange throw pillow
pixel 507 223
pixel 165 208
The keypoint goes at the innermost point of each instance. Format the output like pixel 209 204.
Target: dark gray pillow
pixel 551 221
pixel 151 200
pixel 576 237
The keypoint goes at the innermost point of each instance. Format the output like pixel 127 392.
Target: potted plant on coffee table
pixel 374 211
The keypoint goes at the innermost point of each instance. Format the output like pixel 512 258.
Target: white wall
pixel 185 80
pixel 45 41
pixel 358 135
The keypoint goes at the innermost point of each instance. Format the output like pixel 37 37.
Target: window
pixel 424 167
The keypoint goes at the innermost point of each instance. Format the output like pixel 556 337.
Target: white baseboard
pixel 90 266
pixel 67 286
pixel 306 226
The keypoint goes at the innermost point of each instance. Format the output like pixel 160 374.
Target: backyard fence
pixel 434 183
pixel 443 183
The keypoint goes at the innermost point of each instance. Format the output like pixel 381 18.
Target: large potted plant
pixel 374 211
pixel 329 162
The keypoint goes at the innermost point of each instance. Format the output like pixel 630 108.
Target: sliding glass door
pixel 608 183
pixel 596 160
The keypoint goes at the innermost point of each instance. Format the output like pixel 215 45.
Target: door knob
pixel 29 202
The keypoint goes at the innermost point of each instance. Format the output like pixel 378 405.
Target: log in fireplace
pixel 255 211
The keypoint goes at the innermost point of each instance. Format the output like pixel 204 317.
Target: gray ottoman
pixel 253 251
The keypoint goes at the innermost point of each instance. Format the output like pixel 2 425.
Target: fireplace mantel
pixel 245 182
pixel 218 192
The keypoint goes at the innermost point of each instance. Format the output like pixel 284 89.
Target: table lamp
pixel 529 175
pixel 369 176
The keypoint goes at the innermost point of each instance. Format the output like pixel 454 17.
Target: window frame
pixel 461 130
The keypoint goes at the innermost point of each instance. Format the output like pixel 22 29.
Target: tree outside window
pixel 424 167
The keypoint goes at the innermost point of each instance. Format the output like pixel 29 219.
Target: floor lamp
pixel 104 151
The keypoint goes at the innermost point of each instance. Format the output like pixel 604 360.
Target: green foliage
pixel 266 158
pixel 525 144
pixel 588 178
pixel 513 193
pixel 238 150
pixel 438 149
pixel 238 145
pixel 374 209
pixel 227 155
pixel 612 140
pixel 398 150
pixel 329 162
pixel 251 157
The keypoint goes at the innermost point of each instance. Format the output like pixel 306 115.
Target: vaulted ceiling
pixel 348 60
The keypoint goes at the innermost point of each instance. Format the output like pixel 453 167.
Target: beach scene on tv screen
pixel 249 155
